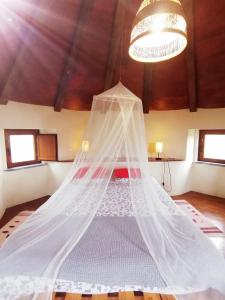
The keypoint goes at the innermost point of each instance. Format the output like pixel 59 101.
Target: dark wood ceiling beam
pixel 147 87
pixel 188 6
pixel 115 44
pixel 71 55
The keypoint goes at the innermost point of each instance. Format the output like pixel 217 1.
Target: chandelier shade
pixel 159 31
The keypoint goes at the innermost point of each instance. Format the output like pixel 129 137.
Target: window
pixel 212 146
pixel 26 147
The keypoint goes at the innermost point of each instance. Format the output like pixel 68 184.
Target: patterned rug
pixel 201 221
pixel 204 224
pixel 6 230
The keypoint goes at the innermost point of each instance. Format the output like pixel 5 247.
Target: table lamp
pixel 158 149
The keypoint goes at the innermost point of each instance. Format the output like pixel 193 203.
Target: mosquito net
pixel 98 234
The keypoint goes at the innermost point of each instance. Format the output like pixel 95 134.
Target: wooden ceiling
pixel 61 52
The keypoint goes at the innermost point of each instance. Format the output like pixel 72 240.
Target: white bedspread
pixel 111 251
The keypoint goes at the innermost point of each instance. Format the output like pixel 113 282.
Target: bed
pixel 112 243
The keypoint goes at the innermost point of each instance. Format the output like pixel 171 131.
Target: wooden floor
pixel 13 211
pixel 210 206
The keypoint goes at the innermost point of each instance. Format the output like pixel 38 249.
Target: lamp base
pixel 158 158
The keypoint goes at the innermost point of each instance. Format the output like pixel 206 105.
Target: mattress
pixel 111 251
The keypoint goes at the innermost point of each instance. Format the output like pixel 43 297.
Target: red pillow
pixel 124 173
pixel 121 173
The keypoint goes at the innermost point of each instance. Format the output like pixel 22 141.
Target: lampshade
pixel 159 147
pixel 85 146
pixel 159 31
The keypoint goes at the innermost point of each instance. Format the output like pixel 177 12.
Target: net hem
pixel 12 287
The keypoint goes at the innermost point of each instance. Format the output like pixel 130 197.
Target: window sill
pixel 25 167
pixel 150 159
pixel 164 159
pixel 209 163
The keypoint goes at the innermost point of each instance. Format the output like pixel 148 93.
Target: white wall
pixel 180 176
pixel 57 172
pixel 171 127
pixel 208 179
pixel 25 184
pixel 68 125
pixel 31 183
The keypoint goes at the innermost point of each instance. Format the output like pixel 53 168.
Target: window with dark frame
pixel 28 146
pixel 211 146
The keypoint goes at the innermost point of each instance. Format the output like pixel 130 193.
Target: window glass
pixel 211 146
pixel 22 148
pixel 214 146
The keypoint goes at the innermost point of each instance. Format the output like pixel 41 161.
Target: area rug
pixel 198 218
pixel 7 229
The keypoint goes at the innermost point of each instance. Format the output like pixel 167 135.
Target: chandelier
pixel 159 31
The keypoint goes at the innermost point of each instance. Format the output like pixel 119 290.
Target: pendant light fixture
pixel 159 31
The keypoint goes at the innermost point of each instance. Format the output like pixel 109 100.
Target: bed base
pixel 113 296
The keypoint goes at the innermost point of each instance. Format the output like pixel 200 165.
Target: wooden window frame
pixel 201 144
pixel 8 133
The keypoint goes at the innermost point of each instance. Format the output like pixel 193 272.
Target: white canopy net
pixel 98 234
